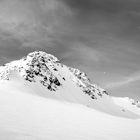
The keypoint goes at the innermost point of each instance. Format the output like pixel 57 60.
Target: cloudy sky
pixel 100 37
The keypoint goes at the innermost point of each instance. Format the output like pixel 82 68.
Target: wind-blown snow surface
pixel 41 99
pixel 24 116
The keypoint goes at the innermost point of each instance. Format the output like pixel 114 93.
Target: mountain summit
pixel 43 74
pixel 46 69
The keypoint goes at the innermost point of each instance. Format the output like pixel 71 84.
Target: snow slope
pixel 40 99
pixel 24 116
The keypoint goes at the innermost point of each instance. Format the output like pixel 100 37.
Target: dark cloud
pixel 12 49
pixel 121 17
pixel 109 6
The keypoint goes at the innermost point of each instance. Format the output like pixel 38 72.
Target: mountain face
pixel 60 81
pixel 46 69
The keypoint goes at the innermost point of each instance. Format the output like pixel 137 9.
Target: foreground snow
pixel 26 116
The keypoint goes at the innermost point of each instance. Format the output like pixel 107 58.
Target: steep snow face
pixel 83 81
pixel 42 74
pixel 45 68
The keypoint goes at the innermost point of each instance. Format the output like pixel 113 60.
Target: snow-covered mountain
pixel 46 76
pixel 38 94
pixel 47 70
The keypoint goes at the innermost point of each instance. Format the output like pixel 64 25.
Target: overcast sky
pixel 100 37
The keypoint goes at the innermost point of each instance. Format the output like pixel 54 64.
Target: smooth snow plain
pixel 27 116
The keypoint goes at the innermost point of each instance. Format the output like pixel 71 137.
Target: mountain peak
pixel 45 68
pixel 42 55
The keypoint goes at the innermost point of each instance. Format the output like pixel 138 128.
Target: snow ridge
pixel 84 82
